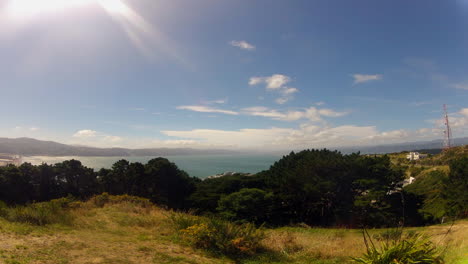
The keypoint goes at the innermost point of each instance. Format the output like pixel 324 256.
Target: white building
pixel 415 156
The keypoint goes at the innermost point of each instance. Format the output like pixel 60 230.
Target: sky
pixel 244 74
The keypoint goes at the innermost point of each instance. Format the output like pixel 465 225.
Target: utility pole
pixel 447 132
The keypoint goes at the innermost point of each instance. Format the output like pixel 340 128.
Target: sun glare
pixel 143 35
pixel 30 8
pixel 114 6
pixel 23 9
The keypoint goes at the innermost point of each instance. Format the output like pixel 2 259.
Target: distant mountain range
pixel 431 147
pixel 34 147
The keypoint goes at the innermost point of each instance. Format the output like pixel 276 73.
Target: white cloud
pixel 363 78
pixel 289 90
pixel 26 129
pixel 331 113
pixel 242 44
pixel 464 111
pixel 463 86
pixel 310 135
pixel 94 138
pixel 85 133
pixel 217 101
pixel 282 100
pixel 306 136
pixel 276 82
pixel 206 109
pixel 311 113
pixel 113 139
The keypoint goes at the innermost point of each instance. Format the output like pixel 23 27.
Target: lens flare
pixel 143 35
pixel 24 9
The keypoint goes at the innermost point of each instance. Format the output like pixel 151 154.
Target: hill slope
pixel 125 232
pixel 34 147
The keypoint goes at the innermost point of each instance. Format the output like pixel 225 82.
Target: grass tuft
pixel 413 249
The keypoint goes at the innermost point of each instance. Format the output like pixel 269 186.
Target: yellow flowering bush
pixel 224 237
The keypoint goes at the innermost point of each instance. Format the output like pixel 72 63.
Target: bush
pixel 3 209
pixel 218 235
pixel 181 221
pixel 413 249
pixel 105 198
pixel 52 212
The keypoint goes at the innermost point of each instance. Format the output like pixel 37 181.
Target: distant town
pixel 8 159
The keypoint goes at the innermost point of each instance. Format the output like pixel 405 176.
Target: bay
pixel 200 166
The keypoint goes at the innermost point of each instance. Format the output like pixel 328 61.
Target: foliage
pixel 430 188
pixel 218 236
pixel 159 180
pixel 102 199
pixel 209 191
pixel 456 187
pixel 413 249
pixel 226 237
pixel 314 187
pixel 251 205
pixel 181 221
pixel 44 213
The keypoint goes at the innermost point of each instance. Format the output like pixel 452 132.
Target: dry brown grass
pixel 118 233
pixel 125 233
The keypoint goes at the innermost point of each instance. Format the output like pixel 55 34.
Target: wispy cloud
pixel 137 109
pixel 218 101
pixel 306 135
pixel 30 129
pixel 276 82
pixel 363 78
pixel 242 44
pixel 206 109
pixel 463 85
pixel 95 138
pixel 311 113
pixel 282 100
pixel 85 133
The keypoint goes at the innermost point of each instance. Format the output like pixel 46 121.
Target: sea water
pixel 200 166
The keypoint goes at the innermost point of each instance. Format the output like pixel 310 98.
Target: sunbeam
pixel 144 36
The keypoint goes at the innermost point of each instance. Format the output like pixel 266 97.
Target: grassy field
pixel 125 233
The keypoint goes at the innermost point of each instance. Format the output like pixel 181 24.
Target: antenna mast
pixel 447 131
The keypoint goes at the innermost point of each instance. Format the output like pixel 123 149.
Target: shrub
pixel 413 249
pixel 218 235
pixel 3 209
pixel 52 212
pixel 105 198
pixel 181 221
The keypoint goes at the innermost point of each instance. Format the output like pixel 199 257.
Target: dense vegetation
pixel 127 229
pixel 312 187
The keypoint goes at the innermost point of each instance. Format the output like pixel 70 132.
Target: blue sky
pixel 272 75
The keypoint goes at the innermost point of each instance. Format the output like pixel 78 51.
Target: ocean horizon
pixel 200 166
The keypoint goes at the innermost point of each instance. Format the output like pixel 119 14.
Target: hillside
pixel 128 231
pixel 34 147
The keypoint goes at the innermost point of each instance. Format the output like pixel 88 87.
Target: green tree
pixel 456 187
pixel 252 205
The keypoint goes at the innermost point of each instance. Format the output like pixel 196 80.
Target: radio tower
pixel 447 131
